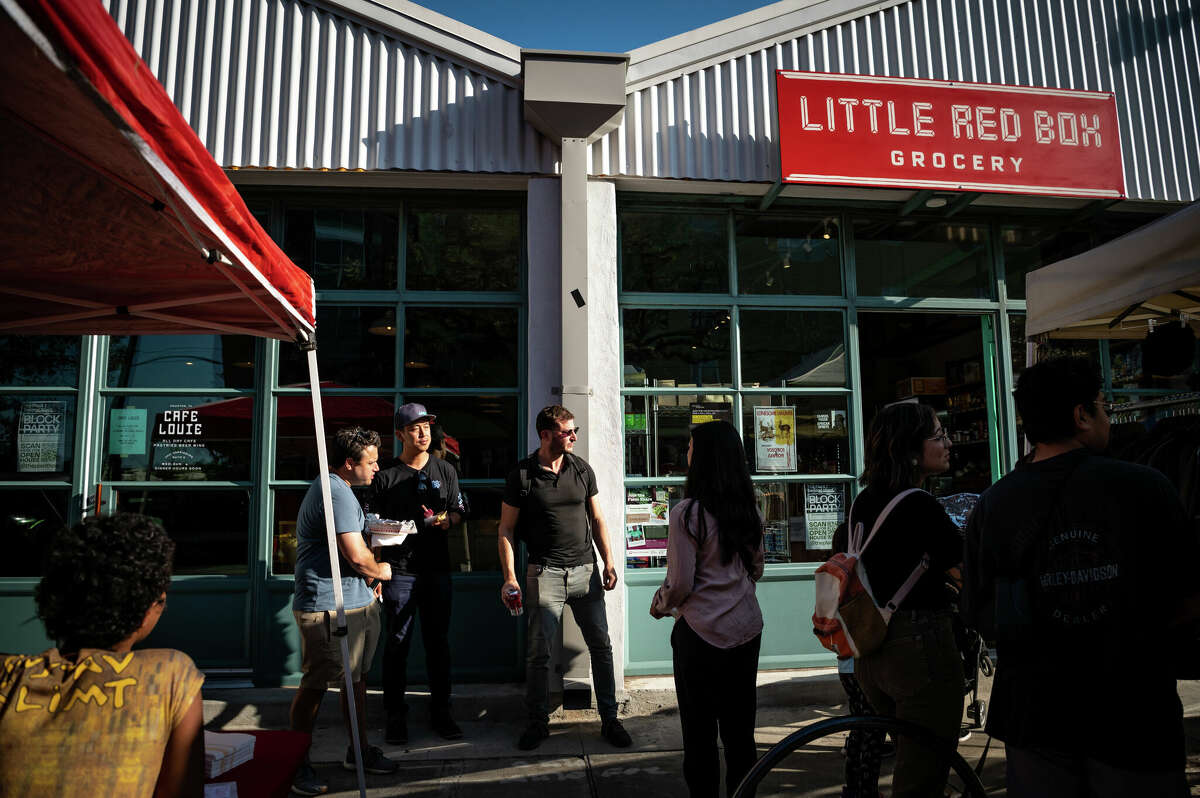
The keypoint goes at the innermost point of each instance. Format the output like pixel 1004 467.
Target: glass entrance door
pixel 946 361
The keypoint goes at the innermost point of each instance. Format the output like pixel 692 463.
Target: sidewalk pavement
pixel 575 762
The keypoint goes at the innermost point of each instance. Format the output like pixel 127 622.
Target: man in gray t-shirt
pixel 354 460
pixel 314 580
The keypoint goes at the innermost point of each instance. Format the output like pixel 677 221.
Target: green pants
pixel 917 676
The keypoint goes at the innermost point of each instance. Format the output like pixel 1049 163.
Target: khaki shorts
pixel 321 651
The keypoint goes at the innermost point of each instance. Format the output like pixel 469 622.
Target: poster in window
pixel 775 439
pixel 645 528
pixel 824 510
pixel 704 412
pixel 41 436
pixel 178 441
pixel 127 431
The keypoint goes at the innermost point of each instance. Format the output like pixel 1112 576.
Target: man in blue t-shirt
pixel 354 459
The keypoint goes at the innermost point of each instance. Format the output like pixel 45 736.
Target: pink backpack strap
pixel 854 536
pixel 904 589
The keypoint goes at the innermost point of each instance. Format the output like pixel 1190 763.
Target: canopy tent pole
pixel 309 344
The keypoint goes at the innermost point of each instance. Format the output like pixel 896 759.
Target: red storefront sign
pixel 862 130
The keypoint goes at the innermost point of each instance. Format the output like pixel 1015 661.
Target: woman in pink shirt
pixel 714 558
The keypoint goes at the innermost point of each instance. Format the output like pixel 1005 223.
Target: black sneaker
pixel 397 730
pixel 615 733
pixel 444 726
pixel 532 737
pixel 373 762
pixel 306 781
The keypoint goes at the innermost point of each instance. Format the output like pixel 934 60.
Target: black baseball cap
pixel 412 413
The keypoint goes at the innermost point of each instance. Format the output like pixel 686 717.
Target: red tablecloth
pixel 277 755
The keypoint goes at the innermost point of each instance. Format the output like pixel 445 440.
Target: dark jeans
pixel 864 747
pixel 1041 773
pixel 403 598
pixel 716 690
pixel 547 591
pixel 917 676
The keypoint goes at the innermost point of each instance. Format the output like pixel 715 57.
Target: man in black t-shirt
pixel 550 499
pixel 1079 567
pixel 424 490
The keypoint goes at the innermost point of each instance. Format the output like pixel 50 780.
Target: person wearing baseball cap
pixel 422 489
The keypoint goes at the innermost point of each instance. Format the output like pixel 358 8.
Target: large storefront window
pixel 677 348
pixel 455 347
pixel 211 528
pixel 181 361
pixel 1040 241
pixel 792 349
pixel 39 382
pixel 177 430
pixel 768 362
pixel 355 349
pixel 29 519
pixel 463 250
pixel 788 255
pixel 909 257
pixel 677 252
pixel 344 248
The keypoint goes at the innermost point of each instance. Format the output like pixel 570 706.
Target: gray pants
pixel 547 590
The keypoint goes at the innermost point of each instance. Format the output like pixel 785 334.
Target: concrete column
pixel 587 355
pixel 606 421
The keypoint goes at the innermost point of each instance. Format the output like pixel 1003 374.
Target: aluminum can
pixel 512 598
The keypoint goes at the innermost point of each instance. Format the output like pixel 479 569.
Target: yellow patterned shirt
pixel 95 724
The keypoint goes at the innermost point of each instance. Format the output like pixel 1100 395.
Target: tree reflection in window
pixel 181 361
pixel 674 252
pixel 41 360
pixel 677 347
pixel 345 248
pixel 453 250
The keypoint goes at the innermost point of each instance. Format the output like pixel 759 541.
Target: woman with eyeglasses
pixel 917 674
pixel 714 559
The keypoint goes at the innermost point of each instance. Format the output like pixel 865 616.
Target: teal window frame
pixel 398 300
pixel 849 303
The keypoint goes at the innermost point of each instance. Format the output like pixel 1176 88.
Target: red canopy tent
pixel 116 220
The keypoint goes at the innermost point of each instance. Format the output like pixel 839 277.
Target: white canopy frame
pixel 1118 289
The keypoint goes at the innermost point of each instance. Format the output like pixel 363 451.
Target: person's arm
pixel 454 514
pixel 600 535
pixel 352 546
pixel 978 598
pixel 759 561
pixel 181 774
pixel 681 568
pixel 505 533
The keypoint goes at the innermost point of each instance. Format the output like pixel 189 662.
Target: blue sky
pixel 615 26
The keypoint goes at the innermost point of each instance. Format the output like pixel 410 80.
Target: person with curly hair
pixel 92 716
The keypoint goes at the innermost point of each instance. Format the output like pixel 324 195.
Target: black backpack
pixel 524 481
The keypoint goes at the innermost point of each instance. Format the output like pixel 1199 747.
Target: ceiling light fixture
pixel 384 324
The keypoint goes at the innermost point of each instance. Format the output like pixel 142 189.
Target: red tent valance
pixel 115 217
